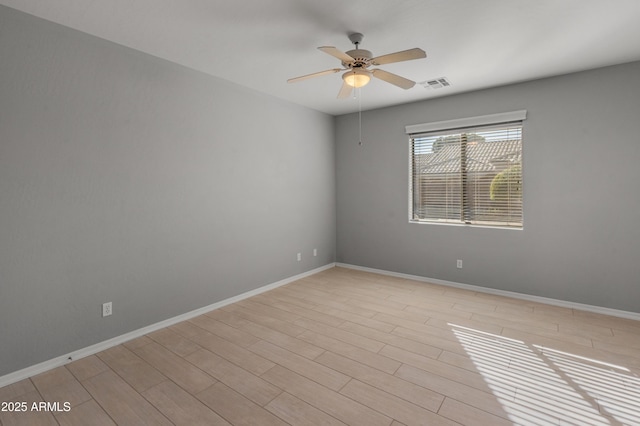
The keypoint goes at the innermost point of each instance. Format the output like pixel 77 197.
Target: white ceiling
pixel 261 43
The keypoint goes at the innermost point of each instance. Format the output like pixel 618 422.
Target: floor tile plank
pixel 307 313
pixel 371 359
pixel 392 384
pixel 238 355
pixel 392 406
pixel 174 342
pixel 332 403
pixel 275 337
pixel 297 412
pixel 440 368
pixel 87 412
pixel 394 339
pixel 480 399
pixel 181 407
pixel 121 402
pixel 136 372
pixel 236 409
pixel 14 390
pixel 225 331
pixel 87 367
pixel 305 367
pixel 59 385
pixel 175 367
pixel 467 415
pixel 236 378
pixel 339 333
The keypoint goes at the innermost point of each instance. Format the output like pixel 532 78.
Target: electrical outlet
pixel 315 252
pixel 459 264
pixel 299 257
pixel 106 309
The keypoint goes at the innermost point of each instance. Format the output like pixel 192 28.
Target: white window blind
pixel 470 175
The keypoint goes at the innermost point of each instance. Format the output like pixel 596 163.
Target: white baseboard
pixel 555 302
pixel 98 347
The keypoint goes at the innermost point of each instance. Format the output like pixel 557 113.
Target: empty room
pixel 299 212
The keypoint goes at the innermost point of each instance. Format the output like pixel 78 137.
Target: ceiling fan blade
pixel 394 79
pixel 336 53
pixel 315 74
pixel 405 55
pixel 345 91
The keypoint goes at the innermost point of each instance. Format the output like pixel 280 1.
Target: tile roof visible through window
pixel 481 157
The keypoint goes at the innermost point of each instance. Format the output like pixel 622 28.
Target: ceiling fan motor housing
pixel 361 58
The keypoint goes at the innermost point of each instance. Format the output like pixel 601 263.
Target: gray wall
pixel 130 179
pixel 581 238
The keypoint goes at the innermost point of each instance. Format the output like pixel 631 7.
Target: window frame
pixel 460 126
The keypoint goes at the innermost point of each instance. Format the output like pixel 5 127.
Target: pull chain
pixel 359 117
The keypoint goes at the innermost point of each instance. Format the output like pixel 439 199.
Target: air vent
pixel 436 83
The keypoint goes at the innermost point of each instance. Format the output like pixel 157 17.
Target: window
pixel 467 174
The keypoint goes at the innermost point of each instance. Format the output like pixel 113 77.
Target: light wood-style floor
pixel 355 348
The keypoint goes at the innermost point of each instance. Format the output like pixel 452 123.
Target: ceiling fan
pixel 356 63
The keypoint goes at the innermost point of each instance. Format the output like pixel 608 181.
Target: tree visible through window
pixel 469 176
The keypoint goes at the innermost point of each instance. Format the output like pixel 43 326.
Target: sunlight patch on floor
pixel 552 387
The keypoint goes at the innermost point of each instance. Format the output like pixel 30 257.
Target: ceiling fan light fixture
pixel 356 78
